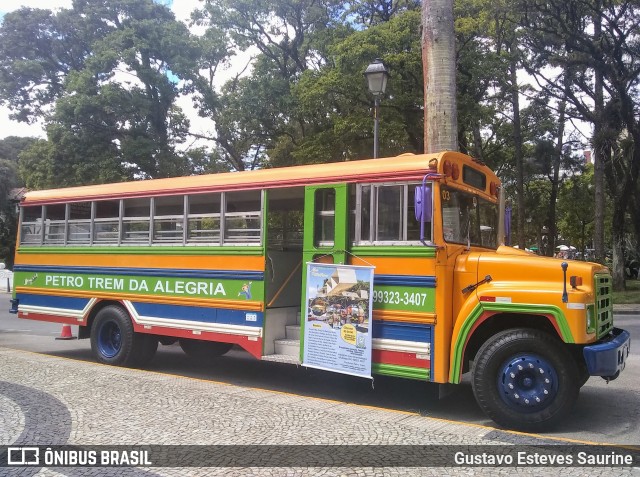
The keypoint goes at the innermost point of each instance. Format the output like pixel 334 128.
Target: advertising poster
pixel 337 332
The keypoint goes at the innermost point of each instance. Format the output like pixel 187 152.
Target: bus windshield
pixel 468 218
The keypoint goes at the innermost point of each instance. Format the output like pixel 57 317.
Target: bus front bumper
pixel 607 358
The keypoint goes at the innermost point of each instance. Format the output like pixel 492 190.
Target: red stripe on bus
pixel 253 347
pixel 65 320
pixel 399 358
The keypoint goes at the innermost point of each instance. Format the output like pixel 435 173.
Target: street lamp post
pixel 377 76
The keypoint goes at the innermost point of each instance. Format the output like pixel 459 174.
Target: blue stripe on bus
pixel 393 330
pixel 147 272
pixel 50 301
pixel 405 280
pixel 202 314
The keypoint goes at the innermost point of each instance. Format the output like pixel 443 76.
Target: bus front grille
pixel 604 305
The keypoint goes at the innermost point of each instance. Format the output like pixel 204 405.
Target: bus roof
pixel 403 167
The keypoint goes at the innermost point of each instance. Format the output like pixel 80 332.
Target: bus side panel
pixel 403 310
pixel 211 304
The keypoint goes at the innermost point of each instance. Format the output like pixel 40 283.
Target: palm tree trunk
pixel 439 67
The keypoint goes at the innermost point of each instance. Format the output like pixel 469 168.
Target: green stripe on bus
pixel 421 374
pixel 221 289
pixel 400 251
pixel 177 250
pixel 518 308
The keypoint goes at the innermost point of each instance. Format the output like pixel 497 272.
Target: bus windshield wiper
pixel 470 288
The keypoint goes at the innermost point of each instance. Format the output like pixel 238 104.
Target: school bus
pixel 219 260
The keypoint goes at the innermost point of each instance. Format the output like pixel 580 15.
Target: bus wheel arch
pixel 85 330
pixel 525 379
pixel 500 322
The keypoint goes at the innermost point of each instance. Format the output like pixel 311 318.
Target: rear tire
pixel 112 336
pixel 525 379
pixel 114 342
pixel 204 350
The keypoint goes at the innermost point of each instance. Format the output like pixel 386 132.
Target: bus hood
pixel 517 270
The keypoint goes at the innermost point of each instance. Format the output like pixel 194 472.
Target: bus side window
pixel 54 220
pixel 79 228
pixel 168 219
pixel 106 228
pixel 365 208
pixel 135 220
pixel 325 217
pixel 203 220
pixel 386 213
pixel 242 218
pixel 389 220
pixel 31 225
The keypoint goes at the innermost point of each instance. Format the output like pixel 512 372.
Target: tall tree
pixel 600 155
pixel 10 149
pixel 576 209
pixel 439 72
pixel 612 51
pixel 105 75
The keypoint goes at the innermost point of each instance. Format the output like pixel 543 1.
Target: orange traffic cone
pixel 65 334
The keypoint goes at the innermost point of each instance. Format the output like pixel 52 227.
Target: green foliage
pixel 111 69
pixel 576 207
pixel 106 76
pixel 10 148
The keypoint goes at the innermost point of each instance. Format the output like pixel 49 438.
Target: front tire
pixel 525 379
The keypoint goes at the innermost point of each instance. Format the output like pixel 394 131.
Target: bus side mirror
pixel 422 203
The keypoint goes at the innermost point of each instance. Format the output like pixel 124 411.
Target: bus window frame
pixel 118 240
pixel 373 214
pixel 479 196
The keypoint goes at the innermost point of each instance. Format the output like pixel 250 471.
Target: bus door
pixel 325 234
pixel 325 224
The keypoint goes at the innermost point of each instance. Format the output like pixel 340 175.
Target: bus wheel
pixel 525 379
pixel 204 350
pixel 112 336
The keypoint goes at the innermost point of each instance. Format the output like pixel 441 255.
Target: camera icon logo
pixel 23 456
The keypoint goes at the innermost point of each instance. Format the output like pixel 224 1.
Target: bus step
pixel 288 347
pixel 282 358
pixel 293 332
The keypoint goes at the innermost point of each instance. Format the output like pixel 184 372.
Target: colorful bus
pixel 220 260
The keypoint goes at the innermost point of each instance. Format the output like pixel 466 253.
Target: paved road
pixel 115 405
